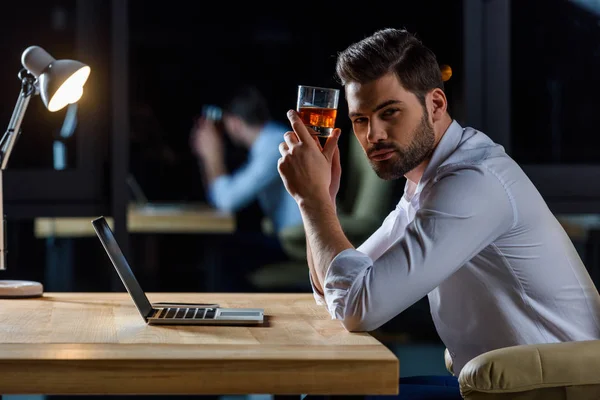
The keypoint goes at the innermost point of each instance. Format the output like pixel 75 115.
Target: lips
pixel 381 155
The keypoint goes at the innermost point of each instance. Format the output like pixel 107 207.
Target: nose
pixel 375 133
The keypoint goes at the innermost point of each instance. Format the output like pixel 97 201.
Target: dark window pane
pixel 555 62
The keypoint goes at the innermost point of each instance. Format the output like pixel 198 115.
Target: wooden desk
pixel 97 343
pixel 157 218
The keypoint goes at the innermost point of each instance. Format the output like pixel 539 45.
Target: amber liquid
pixel 321 120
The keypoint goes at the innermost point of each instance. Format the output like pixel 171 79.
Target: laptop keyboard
pixel 186 313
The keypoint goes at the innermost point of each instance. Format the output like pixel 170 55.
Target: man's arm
pixel 375 246
pixel 324 233
pixel 317 283
pixel 317 274
pixel 207 144
pixel 235 190
pixel 461 214
pixel 314 278
pixel 211 169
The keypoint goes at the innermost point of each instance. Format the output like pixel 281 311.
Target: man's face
pixel 391 124
pixel 233 126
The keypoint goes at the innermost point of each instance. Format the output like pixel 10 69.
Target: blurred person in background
pixel 247 121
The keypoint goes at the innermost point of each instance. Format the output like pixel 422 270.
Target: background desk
pixel 149 218
pixel 97 343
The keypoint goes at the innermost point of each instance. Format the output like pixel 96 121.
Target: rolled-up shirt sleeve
pixel 319 298
pixel 376 244
pixel 462 212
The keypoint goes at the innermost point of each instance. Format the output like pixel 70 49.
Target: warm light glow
pixel 446 72
pixel 70 91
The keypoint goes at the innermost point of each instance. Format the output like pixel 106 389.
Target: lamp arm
pixel 3 243
pixel 28 88
pixel 7 143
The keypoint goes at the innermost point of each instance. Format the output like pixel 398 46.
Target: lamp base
pixel 12 289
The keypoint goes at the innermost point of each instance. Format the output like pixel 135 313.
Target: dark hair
pixel 391 50
pixel 249 104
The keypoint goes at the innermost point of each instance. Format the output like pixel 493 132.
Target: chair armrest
pixel 528 367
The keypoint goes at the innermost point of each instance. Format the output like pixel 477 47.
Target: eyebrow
pixel 377 108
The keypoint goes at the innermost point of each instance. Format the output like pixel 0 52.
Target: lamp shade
pixel 60 81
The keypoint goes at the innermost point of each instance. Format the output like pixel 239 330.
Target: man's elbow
pixel 354 324
pixel 225 204
pixel 356 319
pixel 353 308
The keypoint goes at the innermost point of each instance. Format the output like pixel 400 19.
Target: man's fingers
pixel 283 148
pixel 336 155
pixel 290 138
pixel 318 142
pixel 331 144
pixel 299 126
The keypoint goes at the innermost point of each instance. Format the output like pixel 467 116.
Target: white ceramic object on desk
pixel 16 289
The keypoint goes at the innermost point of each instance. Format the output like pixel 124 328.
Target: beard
pixel 405 159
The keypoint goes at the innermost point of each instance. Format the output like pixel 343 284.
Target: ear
pixel 438 103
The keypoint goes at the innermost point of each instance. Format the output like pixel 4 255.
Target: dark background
pixel 156 63
pixel 184 56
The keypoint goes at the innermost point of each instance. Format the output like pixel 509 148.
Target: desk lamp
pixel 59 83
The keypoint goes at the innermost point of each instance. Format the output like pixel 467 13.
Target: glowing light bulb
pixel 70 91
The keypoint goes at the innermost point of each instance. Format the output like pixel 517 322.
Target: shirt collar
pixel 446 146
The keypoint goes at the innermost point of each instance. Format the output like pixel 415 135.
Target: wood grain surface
pixel 98 343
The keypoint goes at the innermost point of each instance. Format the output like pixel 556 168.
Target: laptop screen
pixel 115 254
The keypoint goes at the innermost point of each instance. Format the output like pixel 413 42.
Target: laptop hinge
pixel 153 313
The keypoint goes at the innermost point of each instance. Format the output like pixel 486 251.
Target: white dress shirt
pixel 476 237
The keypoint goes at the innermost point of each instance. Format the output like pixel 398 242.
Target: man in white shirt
pixel 471 231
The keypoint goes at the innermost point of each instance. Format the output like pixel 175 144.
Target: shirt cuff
pixel 319 299
pixel 343 271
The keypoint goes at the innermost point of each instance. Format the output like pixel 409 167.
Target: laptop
pixel 170 313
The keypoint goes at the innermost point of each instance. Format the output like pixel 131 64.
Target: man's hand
pixel 311 174
pixel 336 167
pixel 207 144
pixel 206 141
pixel 305 168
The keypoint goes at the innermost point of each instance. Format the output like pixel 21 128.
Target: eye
pixel 390 112
pixel 359 120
